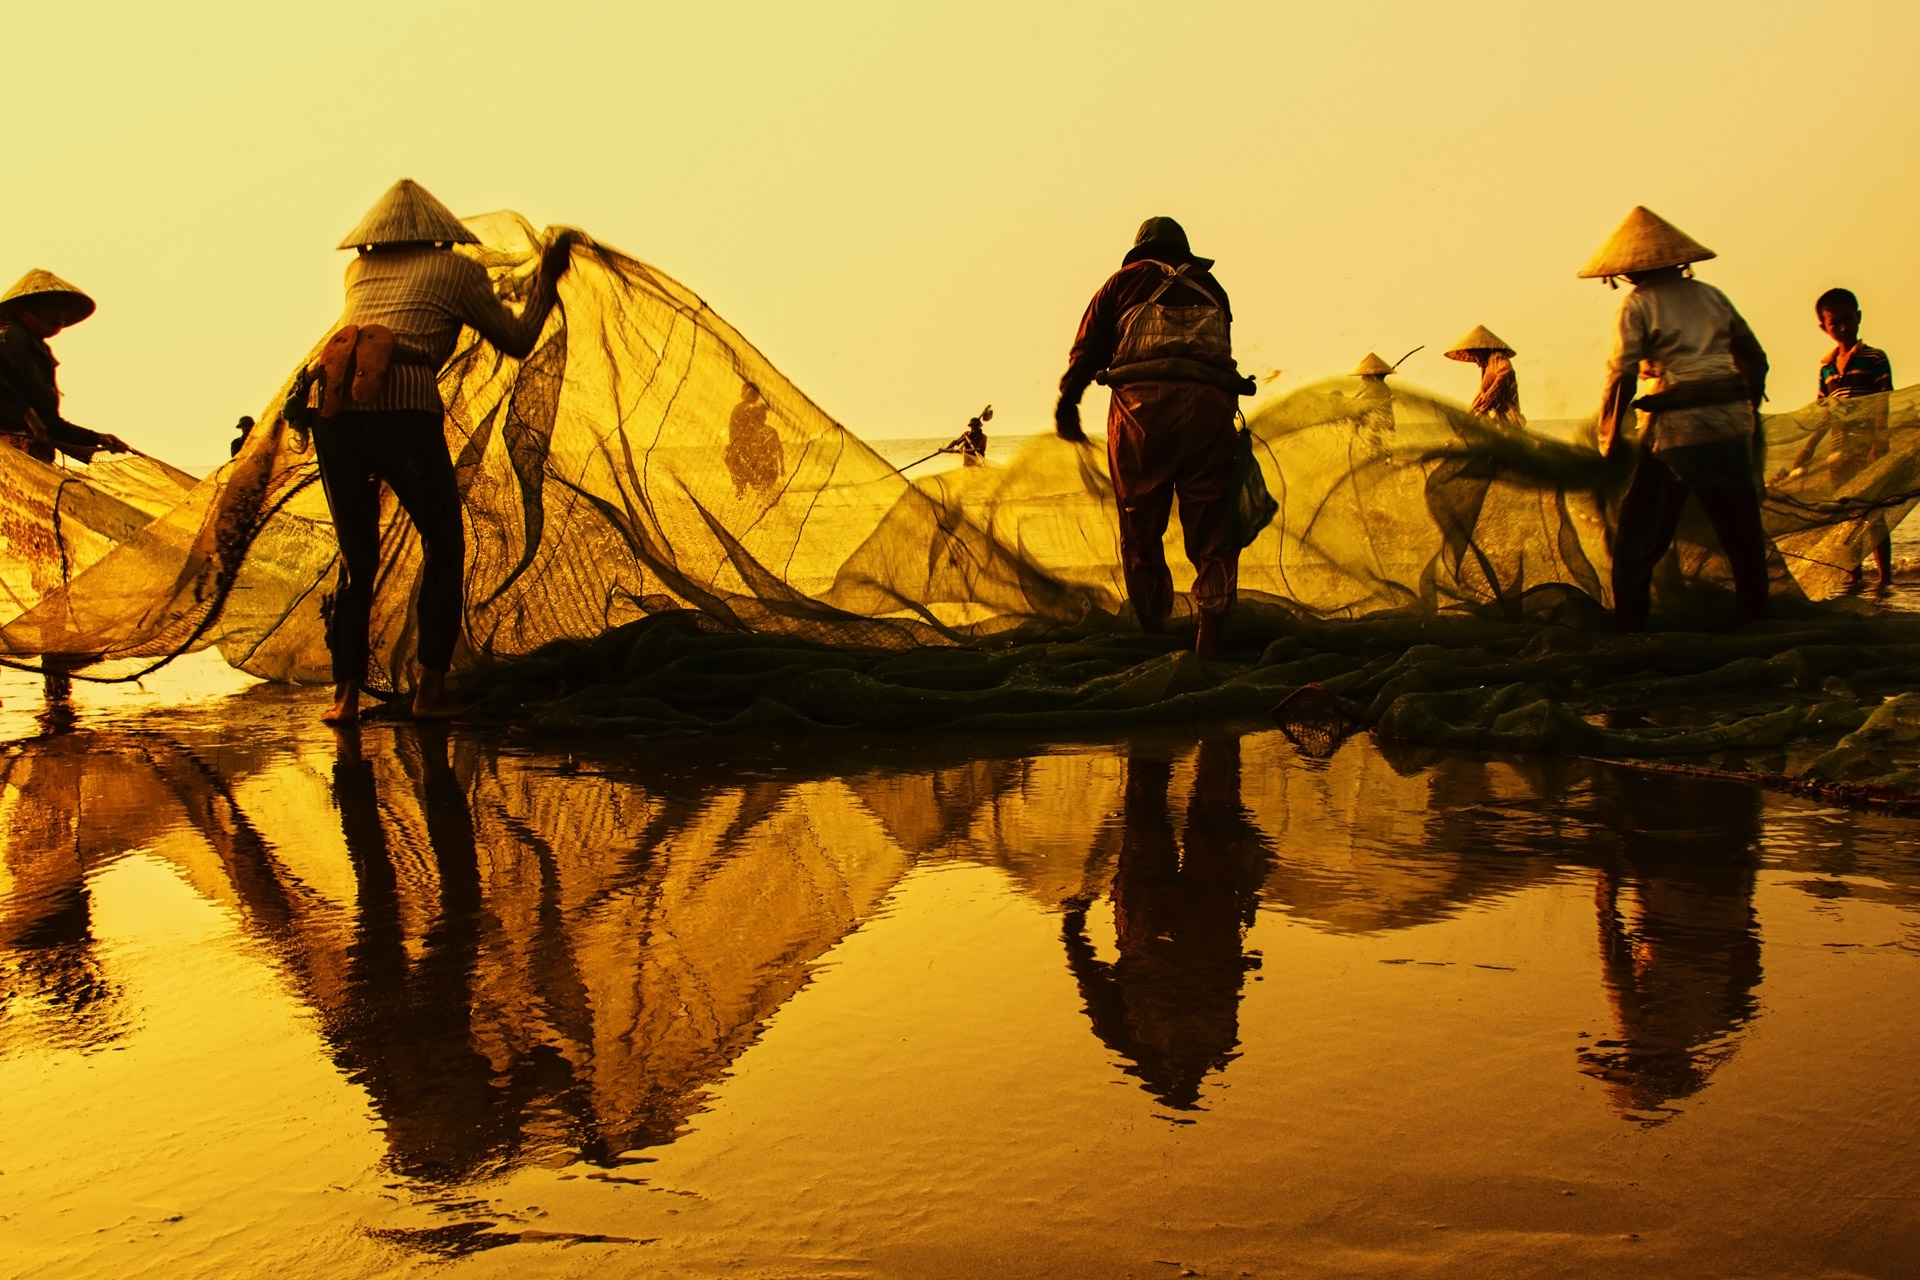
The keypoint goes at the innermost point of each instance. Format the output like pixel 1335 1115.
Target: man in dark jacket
pixel 1158 334
pixel 40 305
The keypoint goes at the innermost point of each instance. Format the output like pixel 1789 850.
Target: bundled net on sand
pixel 666 536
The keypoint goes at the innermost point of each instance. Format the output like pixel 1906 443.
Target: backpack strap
pixel 1178 275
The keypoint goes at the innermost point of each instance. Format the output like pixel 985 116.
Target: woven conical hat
pixel 1372 367
pixel 1481 339
pixel 44 284
pixel 408 214
pixel 1644 242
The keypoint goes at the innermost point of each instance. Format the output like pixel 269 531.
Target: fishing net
pixel 666 536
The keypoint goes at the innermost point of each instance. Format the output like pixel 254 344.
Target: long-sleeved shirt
pixel 1499 395
pixel 1677 331
pixel 27 384
pixel 1127 288
pixel 426 295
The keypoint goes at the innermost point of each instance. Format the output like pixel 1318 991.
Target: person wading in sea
pixel 381 419
pixel 1710 375
pixel 1158 334
pixel 40 305
pixel 1499 394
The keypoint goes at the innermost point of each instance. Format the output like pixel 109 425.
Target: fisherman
pixel 1375 420
pixel 1852 371
pixel 1710 376
pixel 408 295
pixel 1158 333
pixel 1499 396
pixel 973 443
pixel 38 306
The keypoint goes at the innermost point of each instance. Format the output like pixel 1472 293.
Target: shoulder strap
pixel 1178 275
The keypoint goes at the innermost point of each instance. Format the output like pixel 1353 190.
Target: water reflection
pixel 1679 942
pixel 526 958
pixel 1170 1003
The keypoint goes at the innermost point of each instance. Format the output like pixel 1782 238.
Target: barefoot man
pixel 1157 332
pixel 408 295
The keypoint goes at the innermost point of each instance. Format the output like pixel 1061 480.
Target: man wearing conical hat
pixel 1499 394
pixel 38 306
pixel 408 297
pixel 1709 374
pixel 1158 334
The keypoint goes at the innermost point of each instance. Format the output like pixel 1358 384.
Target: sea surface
pixel 279 1001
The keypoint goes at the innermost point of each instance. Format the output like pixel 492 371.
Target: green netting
pixel 646 461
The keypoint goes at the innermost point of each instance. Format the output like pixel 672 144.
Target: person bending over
pixel 1158 334
pixel 1709 375
pixel 381 420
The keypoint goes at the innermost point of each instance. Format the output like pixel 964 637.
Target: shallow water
pixel 274 1001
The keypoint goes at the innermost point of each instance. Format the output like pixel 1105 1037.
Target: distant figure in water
pixel 1374 420
pixel 1710 375
pixel 973 445
pixel 1158 334
pixel 38 306
pixel 241 430
pixel 1852 371
pixel 1499 394
pixel 753 457
pixel 381 421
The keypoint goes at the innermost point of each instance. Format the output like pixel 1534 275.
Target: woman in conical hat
pixel 39 305
pixel 1499 394
pixel 408 296
pixel 1709 374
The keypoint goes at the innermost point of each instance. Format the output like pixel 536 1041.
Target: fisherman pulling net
pixel 644 459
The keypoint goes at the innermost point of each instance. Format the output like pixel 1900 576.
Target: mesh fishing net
pixel 665 535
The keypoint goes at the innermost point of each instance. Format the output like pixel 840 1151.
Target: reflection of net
pixel 646 457
pixel 1315 721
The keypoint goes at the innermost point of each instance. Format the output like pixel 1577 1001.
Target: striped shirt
pixel 426 296
pixel 1867 371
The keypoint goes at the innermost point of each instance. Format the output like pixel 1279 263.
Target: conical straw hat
pixel 1372 367
pixel 1481 339
pixel 408 214
pixel 44 284
pixel 1644 242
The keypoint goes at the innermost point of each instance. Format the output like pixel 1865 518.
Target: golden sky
pixel 907 205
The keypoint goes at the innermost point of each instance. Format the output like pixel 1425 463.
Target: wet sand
pixel 275 1001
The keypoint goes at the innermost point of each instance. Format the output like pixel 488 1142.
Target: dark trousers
pixel 1168 440
pixel 1649 517
pixel 407 450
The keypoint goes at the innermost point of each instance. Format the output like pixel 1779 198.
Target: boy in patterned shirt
pixel 1852 370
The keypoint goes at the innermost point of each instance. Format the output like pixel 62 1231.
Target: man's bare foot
pixel 430 700
pixel 346 704
pixel 1206 640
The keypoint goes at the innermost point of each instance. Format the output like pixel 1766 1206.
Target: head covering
pixel 1644 242
pixel 408 214
pixel 1166 240
pixel 1372 367
pixel 1481 339
pixel 48 290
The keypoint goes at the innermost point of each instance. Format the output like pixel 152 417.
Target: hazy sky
pixel 907 205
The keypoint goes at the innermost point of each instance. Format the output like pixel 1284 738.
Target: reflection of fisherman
pixel 1170 1003
pixel 1710 375
pixel 1852 371
pixel 1499 394
pixel 408 295
pixel 40 305
pixel 753 447
pixel 1679 947
pixel 1157 332
pixel 405 1025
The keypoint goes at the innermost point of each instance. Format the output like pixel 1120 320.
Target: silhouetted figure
pixel 1170 1003
pixel 241 430
pixel 753 456
pixel 1499 395
pixel 1679 945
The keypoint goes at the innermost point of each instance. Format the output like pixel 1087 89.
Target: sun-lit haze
pixel 907 206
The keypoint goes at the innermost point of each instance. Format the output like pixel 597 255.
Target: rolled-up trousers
pixel 405 449
pixel 1650 516
pixel 1168 440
